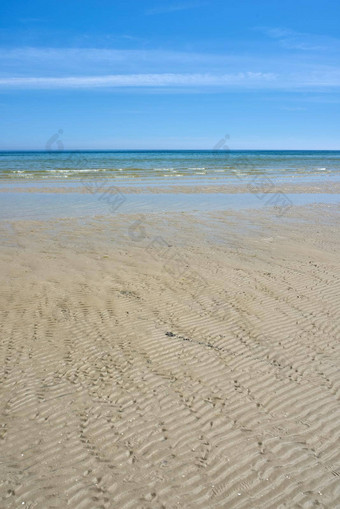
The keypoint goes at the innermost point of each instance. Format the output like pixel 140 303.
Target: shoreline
pixel 331 187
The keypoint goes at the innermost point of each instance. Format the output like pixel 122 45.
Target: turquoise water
pixel 175 166
pixel 156 168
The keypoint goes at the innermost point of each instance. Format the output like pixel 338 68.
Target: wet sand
pixel 330 187
pixel 171 360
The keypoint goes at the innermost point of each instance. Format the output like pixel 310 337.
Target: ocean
pixel 169 165
pixel 60 183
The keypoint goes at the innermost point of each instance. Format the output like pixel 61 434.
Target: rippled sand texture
pixel 122 385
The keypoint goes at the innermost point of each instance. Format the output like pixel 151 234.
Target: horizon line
pixel 173 150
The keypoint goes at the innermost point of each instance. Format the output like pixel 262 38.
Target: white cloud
pixel 325 77
pixel 162 70
pixel 33 56
pixel 139 80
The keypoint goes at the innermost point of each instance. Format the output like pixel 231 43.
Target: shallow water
pixel 20 171
pixel 47 206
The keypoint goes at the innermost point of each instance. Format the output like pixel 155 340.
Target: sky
pixel 170 74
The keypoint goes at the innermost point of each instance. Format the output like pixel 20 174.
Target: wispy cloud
pixel 30 67
pixel 290 39
pixel 140 80
pixel 242 80
pixel 178 6
pixel 46 61
pixel 105 55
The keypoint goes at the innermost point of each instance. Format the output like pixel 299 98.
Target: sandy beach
pixel 169 254
pixel 171 360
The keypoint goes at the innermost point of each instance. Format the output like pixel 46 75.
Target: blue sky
pixel 170 74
